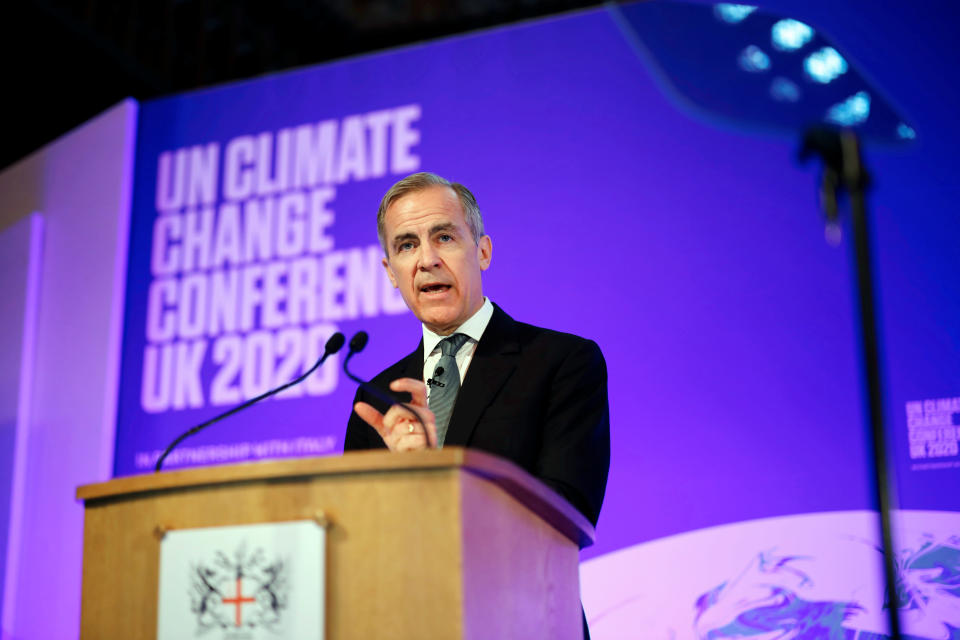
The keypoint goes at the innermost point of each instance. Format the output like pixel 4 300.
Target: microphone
pixel 357 344
pixel 334 344
pixel 436 383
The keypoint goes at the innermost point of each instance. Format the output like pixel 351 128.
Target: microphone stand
pixel 334 344
pixel 843 170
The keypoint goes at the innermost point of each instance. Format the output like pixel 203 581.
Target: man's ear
pixel 484 252
pixel 390 273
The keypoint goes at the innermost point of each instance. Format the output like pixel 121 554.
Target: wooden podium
pixel 452 543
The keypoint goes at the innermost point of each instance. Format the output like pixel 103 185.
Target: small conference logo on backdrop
pixel 247 591
pixel 245 582
pixel 933 429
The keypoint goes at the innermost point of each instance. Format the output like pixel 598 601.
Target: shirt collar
pixel 473 328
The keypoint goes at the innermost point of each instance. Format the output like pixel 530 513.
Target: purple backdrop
pixel 693 256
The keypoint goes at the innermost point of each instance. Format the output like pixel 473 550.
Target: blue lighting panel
pixel 851 112
pixel 733 13
pixel 714 62
pixel 790 35
pixel 753 59
pixel 905 131
pixel 825 65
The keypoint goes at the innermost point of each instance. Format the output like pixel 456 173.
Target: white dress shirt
pixel 473 328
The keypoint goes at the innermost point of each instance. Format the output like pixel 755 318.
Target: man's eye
pixel 445 237
pixel 405 246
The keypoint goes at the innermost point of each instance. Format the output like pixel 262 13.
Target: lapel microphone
pixel 334 344
pixel 436 383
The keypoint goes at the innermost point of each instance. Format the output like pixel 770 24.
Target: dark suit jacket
pixel 531 395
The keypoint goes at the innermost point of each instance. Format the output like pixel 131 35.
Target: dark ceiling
pixel 67 61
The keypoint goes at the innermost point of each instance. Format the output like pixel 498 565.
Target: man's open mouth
pixel 434 288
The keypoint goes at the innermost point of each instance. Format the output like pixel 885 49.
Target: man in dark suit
pixel 531 395
pixel 534 396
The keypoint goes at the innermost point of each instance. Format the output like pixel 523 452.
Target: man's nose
pixel 429 258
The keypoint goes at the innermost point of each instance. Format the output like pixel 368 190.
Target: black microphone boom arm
pixel 334 344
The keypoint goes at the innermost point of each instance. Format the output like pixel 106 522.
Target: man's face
pixel 432 258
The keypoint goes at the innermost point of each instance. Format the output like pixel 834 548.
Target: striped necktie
pixel 446 383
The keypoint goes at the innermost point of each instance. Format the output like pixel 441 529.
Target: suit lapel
pixel 493 362
pixel 413 364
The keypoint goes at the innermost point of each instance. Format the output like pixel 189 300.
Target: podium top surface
pixel 503 473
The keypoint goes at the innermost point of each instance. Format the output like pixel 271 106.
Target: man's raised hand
pixel 399 428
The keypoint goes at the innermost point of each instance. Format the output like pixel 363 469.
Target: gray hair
pixel 424 180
